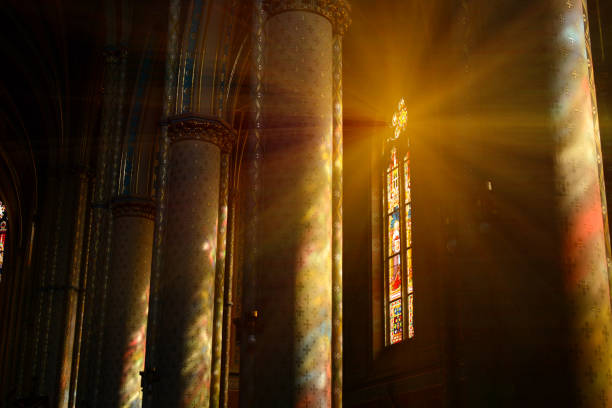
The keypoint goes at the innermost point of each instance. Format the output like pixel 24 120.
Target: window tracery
pixel 399 290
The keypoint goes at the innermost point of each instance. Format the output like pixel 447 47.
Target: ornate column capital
pixel 336 11
pixel 133 207
pixel 200 127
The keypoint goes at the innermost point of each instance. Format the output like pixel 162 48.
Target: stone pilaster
pixel 294 342
pixel 186 282
pixel 127 303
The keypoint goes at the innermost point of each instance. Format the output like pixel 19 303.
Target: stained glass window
pixel 3 230
pixel 398 214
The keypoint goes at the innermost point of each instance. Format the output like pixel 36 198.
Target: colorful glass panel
pixel 395 277
pixel 410 287
pixel 410 316
pixel 395 320
pixel 393 190
pixel 398 185
pixel 3 230
pixel 392 159
pixel 394 233
pixel 408 225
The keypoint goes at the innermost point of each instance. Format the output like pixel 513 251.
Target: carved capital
pixel 134 207
pixel 336 11
pixel 205 128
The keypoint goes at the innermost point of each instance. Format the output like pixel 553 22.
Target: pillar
pixel 251 204
pixel 581 204
pixel 150 372
pixel 60 286
pixel 531 289
pixel 337 159
pixel 217 343
pixel 294 342
pixel 186 281
pixel 95 256
pixel 127 303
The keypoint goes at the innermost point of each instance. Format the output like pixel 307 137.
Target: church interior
pixel 305 203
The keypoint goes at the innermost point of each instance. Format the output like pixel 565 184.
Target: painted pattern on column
pixel 252 200
pixel 580 190
pixel 186 283
pixel 73 283
pixel 597 136
pixel 296 293
pixel 219 283
pixel 84 382
pixel 337 227
pixel 295 282
pixel 160 215
pixel 128 301
pixel 112 185
pixel 191 40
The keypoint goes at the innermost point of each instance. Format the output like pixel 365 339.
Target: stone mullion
pixel 100 216
pixel 217 344
pixel 161 203
pixel 337 225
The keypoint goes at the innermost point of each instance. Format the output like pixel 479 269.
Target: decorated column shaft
pixel 127 304
pixel 337 159
pixel 187 279
pixel 72 284
pixel 219 283
pixel 581 204
pixel 100 215
pixel 60 286
pixel 294 343
pixel 251 210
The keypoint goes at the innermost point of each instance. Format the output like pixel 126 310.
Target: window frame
pixel 402 147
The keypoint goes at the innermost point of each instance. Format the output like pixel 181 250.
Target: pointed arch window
pixel 399 288
pixel 3 231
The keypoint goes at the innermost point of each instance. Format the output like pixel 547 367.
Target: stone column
pixel 150 372
pixel 127 303
pixel 217 343
pixel 293 352
pixel 61 284
pixel 186 282
pixel 337 159
pixel 251 204
pixel 581 204
pixel 100 215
